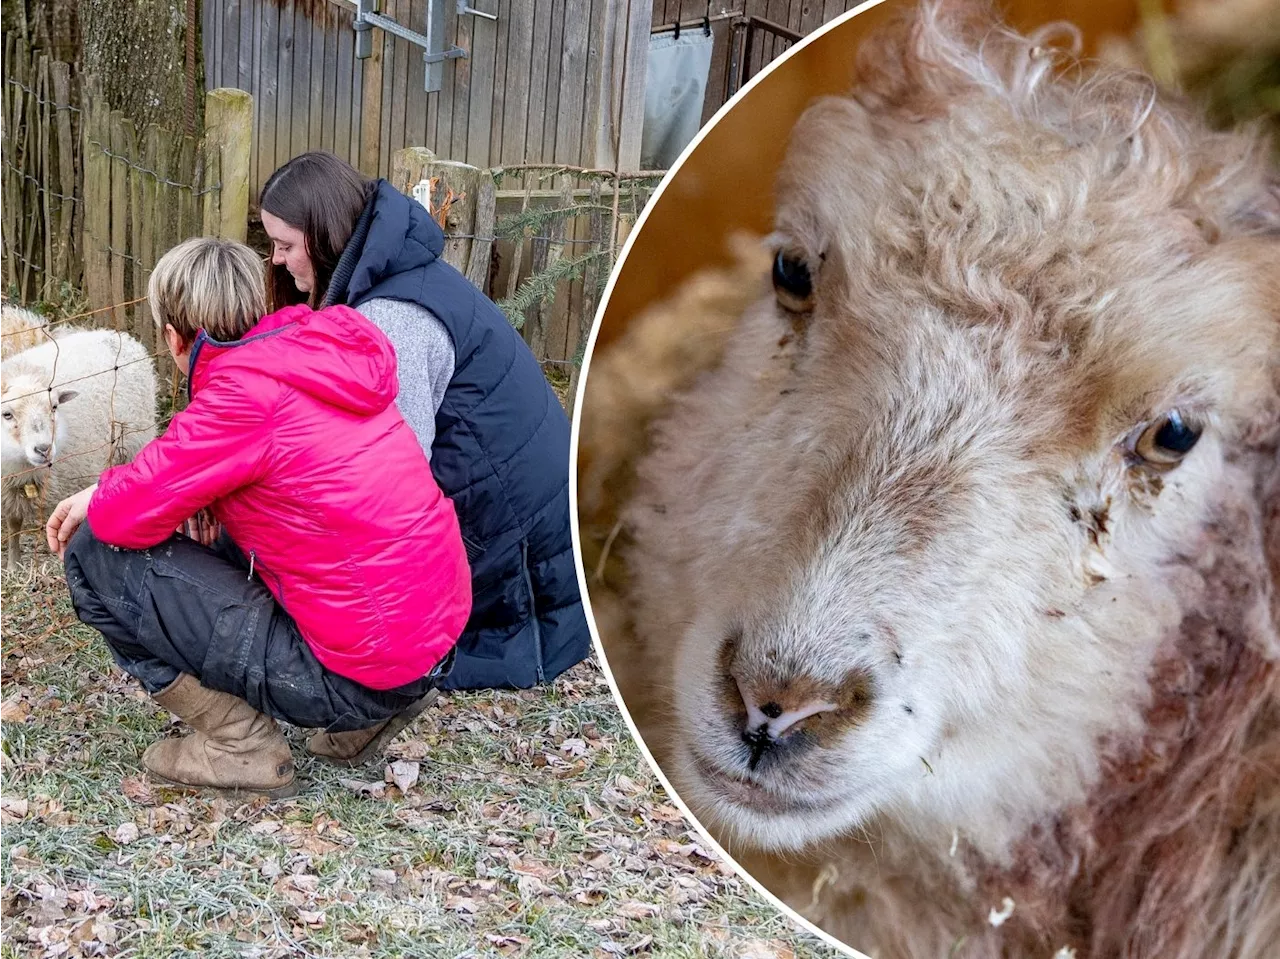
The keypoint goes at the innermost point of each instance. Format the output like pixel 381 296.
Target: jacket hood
pixel 334 355
pixel 401 236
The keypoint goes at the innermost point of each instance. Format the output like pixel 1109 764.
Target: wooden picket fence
pixel 43 203
pixel 91 202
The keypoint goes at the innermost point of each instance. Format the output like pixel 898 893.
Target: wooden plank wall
pixel 529 91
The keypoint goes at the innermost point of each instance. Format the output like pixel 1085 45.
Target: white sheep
pixel 951 583
pixel 72 407
pixel 20 329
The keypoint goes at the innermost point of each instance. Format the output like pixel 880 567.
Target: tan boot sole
pixel 287 791
pixel 388 732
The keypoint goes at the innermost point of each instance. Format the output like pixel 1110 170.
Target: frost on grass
pixel 500 824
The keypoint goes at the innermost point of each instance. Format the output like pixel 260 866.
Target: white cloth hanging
pixel 675 88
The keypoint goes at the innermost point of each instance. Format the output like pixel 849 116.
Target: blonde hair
pixel 208 284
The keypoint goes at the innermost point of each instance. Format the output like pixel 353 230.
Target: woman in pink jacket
pixel 340 586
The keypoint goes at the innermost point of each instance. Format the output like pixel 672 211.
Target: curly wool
pixel 1098 243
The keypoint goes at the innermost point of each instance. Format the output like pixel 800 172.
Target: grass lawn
pixel 502 824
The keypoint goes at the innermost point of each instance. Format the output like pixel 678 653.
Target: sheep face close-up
pixel 923 563
pixel 33 431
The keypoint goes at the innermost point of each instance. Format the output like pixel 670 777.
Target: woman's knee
pixel 85 547
pixel 95 570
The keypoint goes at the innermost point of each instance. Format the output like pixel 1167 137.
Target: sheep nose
pixel 42 449
pixel 770 721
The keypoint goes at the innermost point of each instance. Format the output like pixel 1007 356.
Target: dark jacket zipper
pixel 533 609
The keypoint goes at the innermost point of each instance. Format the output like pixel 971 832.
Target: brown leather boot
pixel 359 746
pixel 235 748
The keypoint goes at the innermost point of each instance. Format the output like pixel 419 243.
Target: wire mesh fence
pixel 73 405
pixel 91 201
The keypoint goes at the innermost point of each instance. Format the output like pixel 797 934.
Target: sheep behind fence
pixel 74 401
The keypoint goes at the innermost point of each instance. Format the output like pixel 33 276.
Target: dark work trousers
pixel 180 607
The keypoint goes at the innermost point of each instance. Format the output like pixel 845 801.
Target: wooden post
pixel 65 265
pixel 97 203
pixel 25 163
pixel 485 221
pixel 124 146
pixel 11 181
pixel 371 108
pixel 152 158
pixel 517 254
pixel 140 268
pixel 164 221
pixel 591 287
pixel 411 166
pixel 228 137
pixel 184 172
pixel 47 197
pixel 545 258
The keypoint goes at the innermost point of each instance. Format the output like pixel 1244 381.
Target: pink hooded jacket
pixel 293 439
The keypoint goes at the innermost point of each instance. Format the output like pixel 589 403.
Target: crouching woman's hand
pixel 66 519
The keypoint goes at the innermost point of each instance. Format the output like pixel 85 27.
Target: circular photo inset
pixel 927 481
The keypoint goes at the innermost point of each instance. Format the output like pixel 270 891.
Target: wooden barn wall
pixel 800 16
pixel 531 90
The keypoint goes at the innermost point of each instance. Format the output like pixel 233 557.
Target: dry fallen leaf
pixel 11 810
pixel 530 886
pixel 761 949
pixel 643 944
pixel 386 877
pixel 125 833
pixel 311 918
pixel 629 785
pixel 403 773
pixel 104 931
pixel 137 789
pixel 638 910
pixel 665 813
pixel 14 710
pixel 461 904
pixel 375 790
pixel 508 944
pixel 536 869
pixel 305 883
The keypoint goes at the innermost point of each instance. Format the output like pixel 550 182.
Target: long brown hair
pixel 323 196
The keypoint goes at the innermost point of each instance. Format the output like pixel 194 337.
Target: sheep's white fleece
pixel 20 329
pixel 110 419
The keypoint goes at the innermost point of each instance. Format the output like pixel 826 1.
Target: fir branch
pixel 541 287
pixel 533 220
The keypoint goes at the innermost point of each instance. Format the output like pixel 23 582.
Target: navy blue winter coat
pixel 501 452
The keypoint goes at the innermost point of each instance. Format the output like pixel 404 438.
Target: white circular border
pixel 573 481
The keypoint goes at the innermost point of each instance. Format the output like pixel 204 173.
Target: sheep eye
pixel 792 283
pixel 1168 439
pixel 8 414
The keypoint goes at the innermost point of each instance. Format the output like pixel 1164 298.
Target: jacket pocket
pixel 474 549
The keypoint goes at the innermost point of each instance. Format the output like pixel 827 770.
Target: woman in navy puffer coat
pixel 496 435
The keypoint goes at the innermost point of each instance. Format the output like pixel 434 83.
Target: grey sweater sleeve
pixel 424 356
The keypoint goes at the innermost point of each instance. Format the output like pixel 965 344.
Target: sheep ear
pixel 66 395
